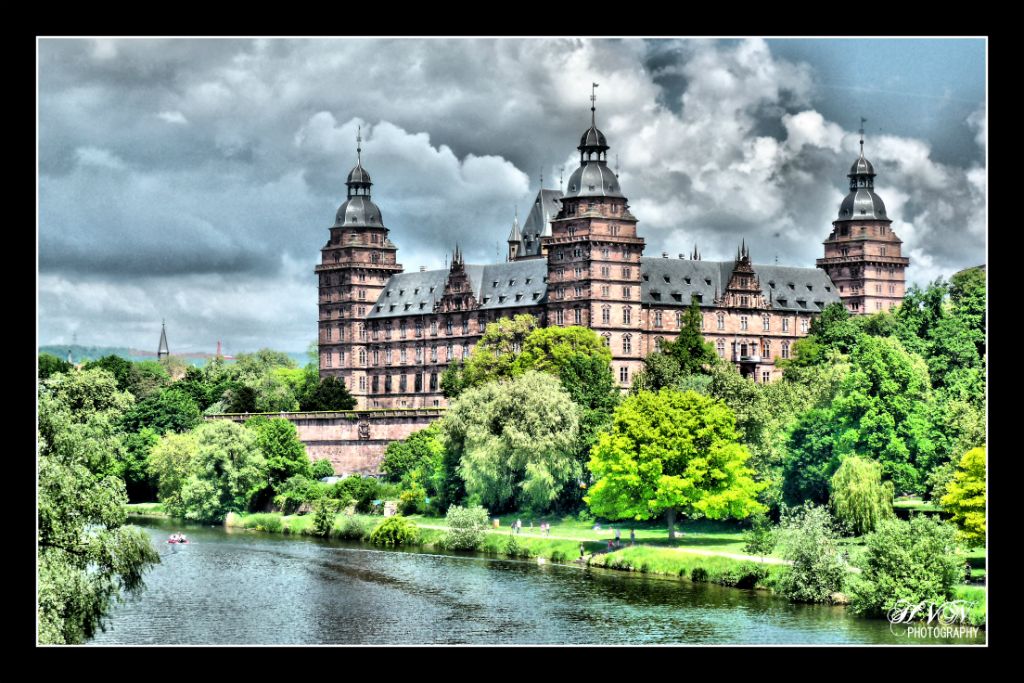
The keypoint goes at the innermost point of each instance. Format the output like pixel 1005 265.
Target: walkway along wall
pixel 353 441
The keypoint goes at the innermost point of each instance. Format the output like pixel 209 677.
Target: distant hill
pixel 81 353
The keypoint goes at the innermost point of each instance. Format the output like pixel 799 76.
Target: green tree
pixel 134 468
pixel 811 459
pixel 167 410
pixel 688 354
pixel 913 561
pixel 422 449
pixel 324 511
pixel 122 370
pixel 760 539
pixel 328 394
pixel 240 398
pixel 965 497
pixel 495 356
pixel 515 441
pixel 860 499
pixel 322 468
pixel 51 365
pixel 169 464
pixel 395 531
pixel 148 378
pixel 467 527
pixel 809 541
pixel 284 455
pixel 672 453
pixel 86 555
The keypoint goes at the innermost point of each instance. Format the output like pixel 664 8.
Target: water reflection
pixel 243 587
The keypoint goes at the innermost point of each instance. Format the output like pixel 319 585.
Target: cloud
pixel 715 141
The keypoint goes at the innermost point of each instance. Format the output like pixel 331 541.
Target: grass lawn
pixel 915 504
pixel 145 509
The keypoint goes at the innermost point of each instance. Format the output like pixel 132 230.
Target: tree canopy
pixel 859 497
pixel 965 497
pixel 672 452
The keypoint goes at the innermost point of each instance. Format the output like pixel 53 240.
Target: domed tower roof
pixel 593 178
pixel 862 204
pixel 358 210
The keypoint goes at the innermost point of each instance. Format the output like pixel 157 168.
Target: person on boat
pixel 182 539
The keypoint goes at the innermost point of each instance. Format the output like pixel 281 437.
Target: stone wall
pixel 353 441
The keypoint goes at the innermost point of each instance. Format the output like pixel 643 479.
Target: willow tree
pixel 669 453
pixel 859 497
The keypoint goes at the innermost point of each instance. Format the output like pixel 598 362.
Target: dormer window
pixel 494 283
pixel 667 278
pixel 791 286
pixel 707 281
pixel 771 283
pixel 528 280
pixel 486 299
pixel 686 280
pixel 809 288
pixel 511 283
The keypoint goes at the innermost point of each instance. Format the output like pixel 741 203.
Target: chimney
pixel 423 268
pixel 682 257
pixel 664 254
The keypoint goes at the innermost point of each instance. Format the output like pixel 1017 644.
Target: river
pixel 241 587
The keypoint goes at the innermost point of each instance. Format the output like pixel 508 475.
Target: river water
pixel 241 587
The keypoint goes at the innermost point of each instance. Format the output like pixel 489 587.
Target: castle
pixel 579 260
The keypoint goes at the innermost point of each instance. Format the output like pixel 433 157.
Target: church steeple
pixel 163 351
pixel 515 238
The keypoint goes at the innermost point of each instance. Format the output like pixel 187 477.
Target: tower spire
pixel 593 103
pixel 359 145
pixel 862 122
pixel 162 351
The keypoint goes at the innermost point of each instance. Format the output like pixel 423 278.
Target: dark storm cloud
pixel 197 180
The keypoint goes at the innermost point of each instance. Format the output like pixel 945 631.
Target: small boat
pixel 177 540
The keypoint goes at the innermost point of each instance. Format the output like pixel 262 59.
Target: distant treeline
pixel 81 353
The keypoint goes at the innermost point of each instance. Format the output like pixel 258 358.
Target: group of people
pixel 178 538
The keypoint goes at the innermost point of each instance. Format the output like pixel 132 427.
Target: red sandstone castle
pixel 578 260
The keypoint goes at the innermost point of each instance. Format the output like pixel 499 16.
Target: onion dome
pixel 593 178
pixel 862 204
pixel 358 210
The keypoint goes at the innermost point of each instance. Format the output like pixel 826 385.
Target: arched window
pixel 627 343
pixel 606 314
pixel 376 357
pixel 766 348
pixel 766 321
pixel 785 349
pixel 362 356
pixel 627 315
pixel 607 339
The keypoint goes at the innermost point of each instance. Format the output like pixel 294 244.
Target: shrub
pixel 413 500
pixel 513 548
pixel 321 469
pixel 295 491
pixel 808 539
pixel 760 538
pixel 264 522
pixel 466 527
pixel 324 510
pixel 558 556
pixel 395 531
pixel 698 575
pixel 352 529
pixel 914 561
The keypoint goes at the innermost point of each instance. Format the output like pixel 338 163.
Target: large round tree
pixel 669 453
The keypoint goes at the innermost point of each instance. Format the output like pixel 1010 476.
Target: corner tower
pixel 593 255
pixel 863 255
pixel 356 262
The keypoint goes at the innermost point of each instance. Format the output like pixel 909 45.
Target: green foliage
pixel 269 522
pixel 420 450
pixel 362 490
pixel 149 377
pixel 808 539
pixel 324 510
pixel 353 529
pixel 859 499
pixel 239 398
pixel 687 355
pixel 513 548
pixel 86 554
pixel 965 497
pixel 515 441
pixel 699 575
pixel 939 479
pixel 322 468
pixel 495 356
pixel 672 452
pixel 466 527
pixel 297 490
pixel 395 531
pixel 209 472
pixel 328 394
pixel 121 369
pixel 284 455
pixel 760 538
pixel 413 500
pixel 133 468
pixel 912 561
pixel 51 365
pixel 166 410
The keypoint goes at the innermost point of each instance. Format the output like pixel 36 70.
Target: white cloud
pixel 173 117
pixel 93 156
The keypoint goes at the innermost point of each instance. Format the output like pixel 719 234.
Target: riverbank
pixel 706 552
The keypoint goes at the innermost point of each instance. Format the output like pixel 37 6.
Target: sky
pixel 195 180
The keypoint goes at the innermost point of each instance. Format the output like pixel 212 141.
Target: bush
pixel 362 490
pixel 395 531
pixel 324 510
pixel 412 501
pixel 914 561
pixel 760 538
pixel 513 548
pixel 352 529
pixel 859 498
pixel 321 469
pixel 558 556
pixel 296 491
pixel 808 539
pixel 698 575
pixel 466 527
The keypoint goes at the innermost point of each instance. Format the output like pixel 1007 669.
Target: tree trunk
pixel 670 517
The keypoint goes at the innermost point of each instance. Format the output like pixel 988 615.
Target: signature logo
pixel 933 619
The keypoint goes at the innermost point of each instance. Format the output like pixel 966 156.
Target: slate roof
pixel 672 281
pixel 538 223
pixel 495 286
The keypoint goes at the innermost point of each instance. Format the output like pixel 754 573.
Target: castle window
pixel 362 294
pixel 766 348
pixel 402 386
pixel 803 325
pixel 604 253
pixel 387 357
pixel 626 315
pixel 579 291
pixel 449 353
pixel 578 272
pixel 328 333
pixel 376 357
pixel 743 322
pixel 419 355
pixel 560 293
pixel 448 326
pixel 785 349
pixel 376 385
pixel 607 339
pixel 417 382
pixel 878 305
pixel 433 353
pixel 744 301
pixel 614 230
pixel 578 316
pixel 375 333
pixel 559 317
pixel 605 291
pixel 626 272
pixel 605 271
pixel 404 356
pixel 766 322
pixel 721 349
pixel 721 320
pixel 657 318
pixel 606 315
pixel 658 342
pixel 785 324
pixel 627 343
pixel 433 327
pixel 766 377
pixel 362 357
pixel 362 384
pixel 577 252
pixel 626 293
pixel 465 326
pixel 330 356
pixel 624 375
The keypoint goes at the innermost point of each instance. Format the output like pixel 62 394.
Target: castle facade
pixel 579 260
